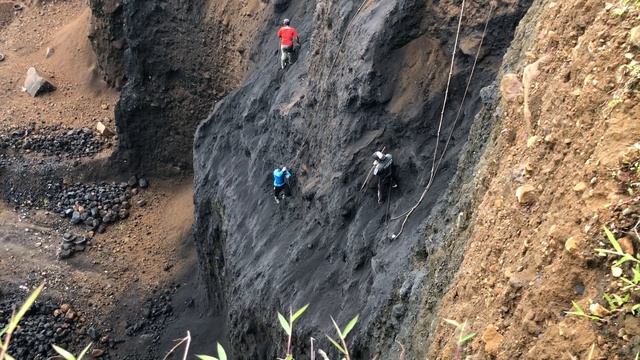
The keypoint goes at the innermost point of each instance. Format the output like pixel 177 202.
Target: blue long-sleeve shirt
pixel 280 176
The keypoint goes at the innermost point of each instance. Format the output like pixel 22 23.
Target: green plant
pixel 462 337
pixel 222 355
pixel 7 332
pixel 69 356
pixel 287 326
pixel 342 335
pixel 578 311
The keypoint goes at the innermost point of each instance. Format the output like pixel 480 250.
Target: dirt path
pixel 62 27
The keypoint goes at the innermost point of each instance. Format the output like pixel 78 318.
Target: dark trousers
pixel 386 179
pixel 277 190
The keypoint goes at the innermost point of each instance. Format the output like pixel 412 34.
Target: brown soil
pixel 128 264
pixel 517 275
pixel 62 27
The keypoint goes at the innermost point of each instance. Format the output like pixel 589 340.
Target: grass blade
pixel 84 352
pixel 206 357
pixel 349 326
pixel 23 310
pixel 337 328
pixel 299 312
pixel 221 353
pixel 337 345
pixel 466 338
pixel 453 323
pixel 285 324
pixel 64 353
pixel 612 240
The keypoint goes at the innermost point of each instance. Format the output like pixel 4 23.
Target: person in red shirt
pixel 287 35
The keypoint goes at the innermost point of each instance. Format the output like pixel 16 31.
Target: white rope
pixel 436 165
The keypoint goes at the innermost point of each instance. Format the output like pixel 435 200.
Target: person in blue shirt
pixel 280 183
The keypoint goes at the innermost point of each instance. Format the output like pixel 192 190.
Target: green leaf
pixel 612 240
pixel 636 274
pixel 299 312
pixel 453 323
pixel 23 310
pixel 64 353
pixel 206 357
pixel 337 328
pixel 336 345
pixel 612 304
pixel 624 259
pixel 285 324
pixel 84 352
pixel 8 357
pixel 466 338
pixel 289 357
pixel 635 308
pixel 349 326
pixel 221 353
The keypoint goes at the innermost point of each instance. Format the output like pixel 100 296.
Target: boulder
pixel 35 84
pixel 469 45
pixel 511 87
pixel 525 194
pixel 492 340
pixel 104 130
pixel 634 36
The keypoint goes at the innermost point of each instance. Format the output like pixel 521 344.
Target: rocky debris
pixel 525 194
pixel 54 141
pixel 94 205
pixel 580 187
pixel 470 43
pixel 511 87
pixel 35 84
pixel 104 130
pixel 155 312
pixel 71 244
pixel 627 245
pixel 2 56
pixel 44 324
pixel 492 340
pixel 598 310
pixel 634 36
pixel 571 245
pixel 49 53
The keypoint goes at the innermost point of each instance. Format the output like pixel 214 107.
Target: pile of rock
pixel 71 244
pixel 154 314
pixel 97 205
pixel 51 141
pixel 46 324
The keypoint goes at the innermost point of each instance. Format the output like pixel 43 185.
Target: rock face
pixel 329 244
pixel 173 61
pixel 35 84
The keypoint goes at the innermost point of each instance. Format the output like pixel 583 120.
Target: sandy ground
pixel 82 98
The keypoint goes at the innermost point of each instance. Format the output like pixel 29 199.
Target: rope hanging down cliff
pixel 436 163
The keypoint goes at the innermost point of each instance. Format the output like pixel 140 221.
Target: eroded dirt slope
pixel 526 261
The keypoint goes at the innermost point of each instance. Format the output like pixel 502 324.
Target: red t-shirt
pixel 287 34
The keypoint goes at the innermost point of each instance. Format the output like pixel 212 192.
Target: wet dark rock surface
pixel 329 244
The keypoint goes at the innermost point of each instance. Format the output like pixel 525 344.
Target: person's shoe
pixel 277 201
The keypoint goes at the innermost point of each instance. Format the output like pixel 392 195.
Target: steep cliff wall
pixel 173 60
pixel 328 245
